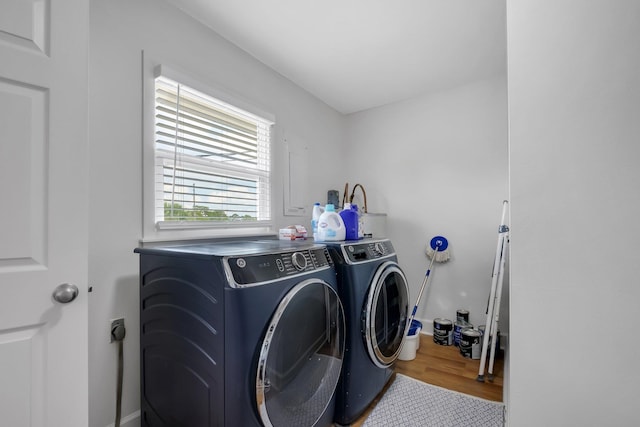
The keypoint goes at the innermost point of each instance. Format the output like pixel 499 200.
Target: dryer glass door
pixel 301 356
pixel 386 314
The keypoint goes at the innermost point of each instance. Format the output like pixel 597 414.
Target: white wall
pixel 120 29
pixel 437 165
pixel 574 107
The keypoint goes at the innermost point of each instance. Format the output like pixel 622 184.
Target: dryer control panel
pixel 367 251
pixel 251 270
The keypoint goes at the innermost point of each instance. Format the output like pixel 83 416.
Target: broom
pixel 437 250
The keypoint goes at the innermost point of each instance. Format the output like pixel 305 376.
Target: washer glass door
pixel 301 356
pixel 386 314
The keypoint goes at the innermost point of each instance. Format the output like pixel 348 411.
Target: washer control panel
pixel 367 251
pixel 263 268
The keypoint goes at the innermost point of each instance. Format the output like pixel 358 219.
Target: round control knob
pixel 299 261
pixel 379 247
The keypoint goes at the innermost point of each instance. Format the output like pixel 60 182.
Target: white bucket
pixel 410 346
pixel 374 224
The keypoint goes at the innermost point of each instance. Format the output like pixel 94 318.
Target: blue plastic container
pixel 349 216
pixel 415 326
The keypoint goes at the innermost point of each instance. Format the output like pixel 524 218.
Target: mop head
pixel 437 249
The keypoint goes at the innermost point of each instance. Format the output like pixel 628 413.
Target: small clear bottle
pixel 315 217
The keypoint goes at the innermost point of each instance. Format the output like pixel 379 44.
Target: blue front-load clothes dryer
pixel 247 333
pixel 375 296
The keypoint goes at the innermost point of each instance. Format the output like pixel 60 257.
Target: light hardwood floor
pixel 445 367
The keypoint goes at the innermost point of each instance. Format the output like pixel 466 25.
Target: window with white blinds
pixel 212 161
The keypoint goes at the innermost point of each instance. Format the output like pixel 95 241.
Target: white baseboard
pixel 131 420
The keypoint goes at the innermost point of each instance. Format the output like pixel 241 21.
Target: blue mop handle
pixel 424 284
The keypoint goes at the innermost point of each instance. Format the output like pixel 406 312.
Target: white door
pixel 43 212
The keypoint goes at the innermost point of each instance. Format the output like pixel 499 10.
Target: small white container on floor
pixel 410 345
pixel 417 327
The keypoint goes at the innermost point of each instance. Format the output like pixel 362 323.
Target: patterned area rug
pixel 409 402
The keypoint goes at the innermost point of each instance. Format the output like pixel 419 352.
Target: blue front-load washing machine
pixel 247 333
pixel 375 296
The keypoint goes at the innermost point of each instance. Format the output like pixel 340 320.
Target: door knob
pixel 65 293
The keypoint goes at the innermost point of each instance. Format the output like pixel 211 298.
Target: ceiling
pixel 359 54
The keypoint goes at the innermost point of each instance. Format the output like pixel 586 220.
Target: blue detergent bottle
pixel 349 216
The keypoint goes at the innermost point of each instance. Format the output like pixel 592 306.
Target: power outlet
pixel 116 329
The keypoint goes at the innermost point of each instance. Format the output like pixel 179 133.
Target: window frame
pixel 182 230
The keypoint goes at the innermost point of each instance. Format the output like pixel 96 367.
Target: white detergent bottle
pixel 315 217
pixel 330 226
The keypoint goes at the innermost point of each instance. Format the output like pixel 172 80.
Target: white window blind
pixel 212 161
